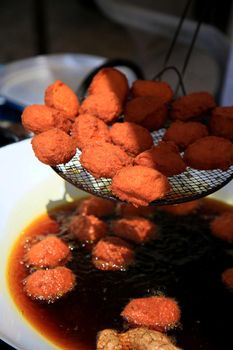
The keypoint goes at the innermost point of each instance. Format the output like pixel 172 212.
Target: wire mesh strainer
pixel 191 184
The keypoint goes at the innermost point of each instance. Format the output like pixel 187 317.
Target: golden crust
pixel 53 147
pixel 139 185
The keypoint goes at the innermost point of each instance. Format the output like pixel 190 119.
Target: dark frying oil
pixel 184 263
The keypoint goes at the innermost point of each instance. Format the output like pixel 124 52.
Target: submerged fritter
pixel 132 138
pixel 50 284
pixel 196 104
pixel 182 208
pixel 221 122
pixel 110 79
pixel 112 253
pixel 164 157
pixel 185 133
pixel 88 128
pixel 222 226
pixel 51 251
pixel 108 339
pixel 107 107
pixel 127 210
pixel 138 338
pixel 135 229
pixel 159 89
pixel 53 147
pixel 97 206
pixel 147 111
pixel 210 152
pixel 139 185
pixel 39 118
pixel 157 312
pixel 60 96
pixel 102 159
pixel 87 228
pixel 227 278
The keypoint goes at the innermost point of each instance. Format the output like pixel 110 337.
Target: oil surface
pixel 185 262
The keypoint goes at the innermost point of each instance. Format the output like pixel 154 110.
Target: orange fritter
pixel 87 128
pixel 49 252
pixel 112 253
pixel 96 206
pixel 159 89
pixel 193 105
pixel 110 79
pixel 53 147
pixel 106 106
pixel 60 96
pixel 221 122
pixel 183 208
pixel 50 284
pixel 147 111
pixel 210 152
pixel 39 118
pixel 158 312
pixel 222 226
pixel 132 138
pixel 139 185
pixel 102 159
pixel 165 158
pixel 227 278
pixel 183 134
pixel 135 229
pixel 87 228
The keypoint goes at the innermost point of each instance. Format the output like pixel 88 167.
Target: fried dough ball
pixel 108 340
pixel 112 253
pixel 147 111
pixel 210 152
pixel 221 122
pixel 183 134
pixel 193 105
pixel 87 228
pixel 183 208
pixel 135 229
pixel 227 278
pixel 132 138
pixel 145 339
pixel 60 96
pixel 126 210
pixel 134 339
pixel 53 147
pixel 139 185
pixel 49 285
pixel 88 128
pixel 51 251
pixel 165 158
pixel 102 159
pixel 96 206
pixel 110 79
pixel 106 107
pixel 157 312
pixel 39 118
pixel 222 226
pixel 159 89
